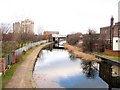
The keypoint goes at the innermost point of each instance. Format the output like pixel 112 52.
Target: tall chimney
pixel 112 21
pixel 111 31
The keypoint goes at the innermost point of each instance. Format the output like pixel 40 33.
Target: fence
pixel 5 63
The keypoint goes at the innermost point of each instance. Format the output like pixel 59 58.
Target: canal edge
pixel 108 59
pixel 34 85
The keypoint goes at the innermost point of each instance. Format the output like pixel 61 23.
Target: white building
pixel 116 37
pixel 116 44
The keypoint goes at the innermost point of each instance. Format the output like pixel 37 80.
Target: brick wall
pixel 115 34
pixel 105 33
pixel 114 53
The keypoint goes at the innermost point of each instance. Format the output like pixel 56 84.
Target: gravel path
pixel 22 77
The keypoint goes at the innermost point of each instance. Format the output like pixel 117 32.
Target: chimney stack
pixel 112 21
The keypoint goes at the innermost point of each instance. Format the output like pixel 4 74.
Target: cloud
pixel 65 16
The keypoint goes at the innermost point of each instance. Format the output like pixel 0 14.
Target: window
pixel 116 41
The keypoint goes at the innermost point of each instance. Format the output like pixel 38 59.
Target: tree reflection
pixel 72 58
pixel 49 47
pixel 89 69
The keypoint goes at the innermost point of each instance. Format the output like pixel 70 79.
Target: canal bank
pixel 108 59
pixel 22 77
pixel 79 54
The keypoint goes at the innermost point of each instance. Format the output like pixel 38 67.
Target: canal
pixel 57 68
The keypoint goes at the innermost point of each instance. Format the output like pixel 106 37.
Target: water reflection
pixel 49 47
pixel 62 68
pixel 89 69
pixel 66 71
pixel 110 73
pixel 72 58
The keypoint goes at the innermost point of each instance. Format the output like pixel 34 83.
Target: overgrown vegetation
pixel 89 42
pixel 9 73
pixel 77 53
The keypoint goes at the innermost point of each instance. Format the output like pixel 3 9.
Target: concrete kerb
pixel 108 59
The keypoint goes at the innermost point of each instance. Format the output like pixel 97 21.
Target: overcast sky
pixel 65 16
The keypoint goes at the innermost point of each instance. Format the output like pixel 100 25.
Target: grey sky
pixel 119 11
pixel 66 16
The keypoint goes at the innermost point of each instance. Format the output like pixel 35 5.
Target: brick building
pixel 105 35
pixel 111 36
pixel 50 32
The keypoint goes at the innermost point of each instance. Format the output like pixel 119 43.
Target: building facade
pixel 105 33
pixel 50 32
pixel 115 36
pixel 16 27
pixel 26 26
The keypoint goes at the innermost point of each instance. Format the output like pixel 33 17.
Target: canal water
pixel 57 68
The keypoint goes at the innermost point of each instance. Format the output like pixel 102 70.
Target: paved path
pixel 22 77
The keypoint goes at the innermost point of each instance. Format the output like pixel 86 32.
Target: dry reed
pixel 77 53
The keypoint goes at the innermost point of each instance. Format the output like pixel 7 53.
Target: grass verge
pixel 110 56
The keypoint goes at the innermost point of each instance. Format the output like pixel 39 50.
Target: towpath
pixel 22 78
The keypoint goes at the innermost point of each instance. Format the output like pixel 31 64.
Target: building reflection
pixel 110 74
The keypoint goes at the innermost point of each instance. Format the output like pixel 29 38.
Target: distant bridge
pixel 59 40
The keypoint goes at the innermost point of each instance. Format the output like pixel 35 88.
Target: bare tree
pixel 13 40
pixel 90 40
pixel 73 38
pixel 5 28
